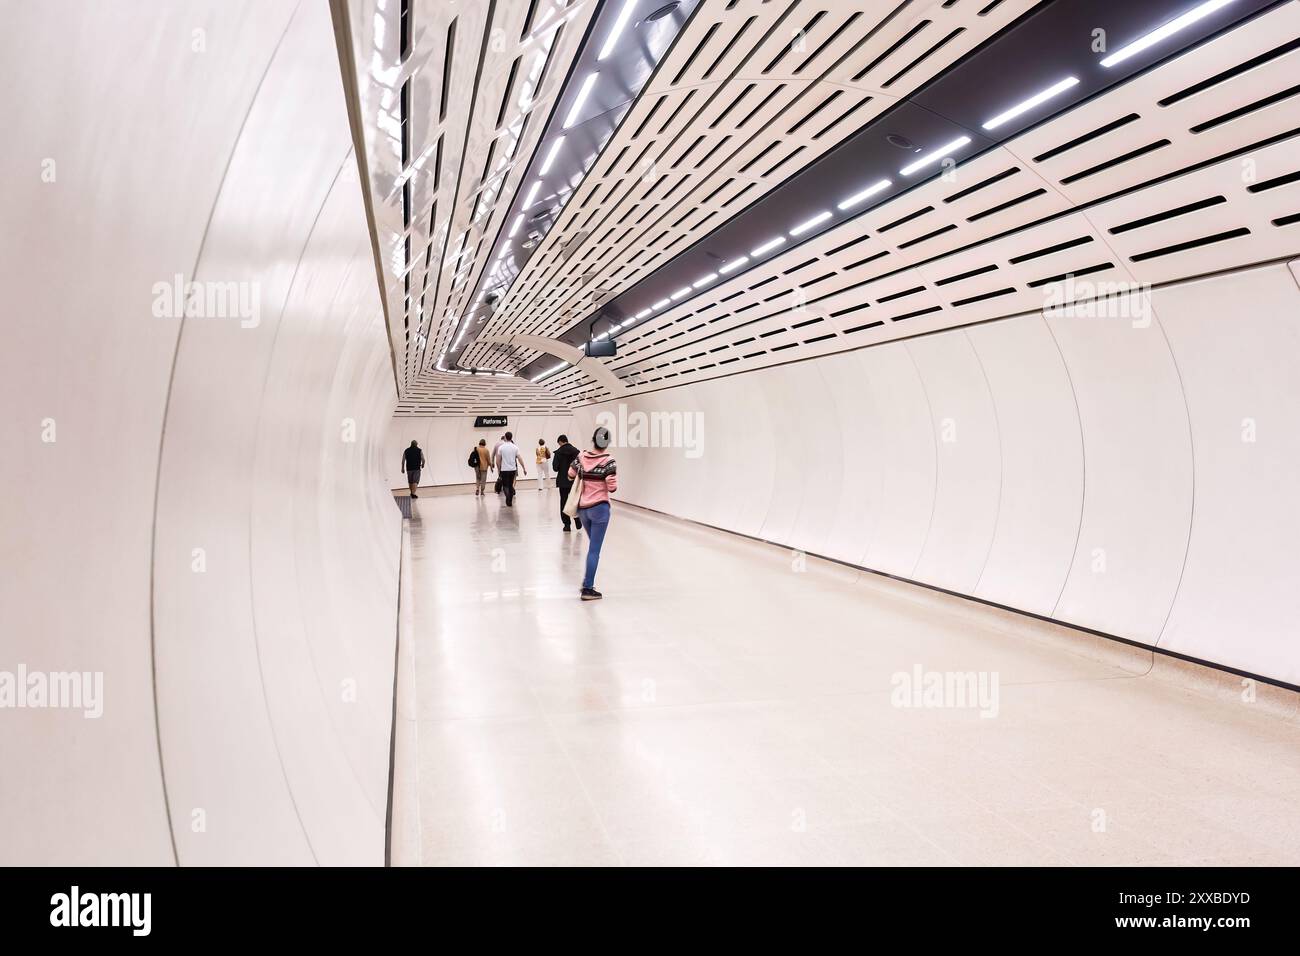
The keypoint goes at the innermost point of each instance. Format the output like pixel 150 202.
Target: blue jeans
pixel 595 520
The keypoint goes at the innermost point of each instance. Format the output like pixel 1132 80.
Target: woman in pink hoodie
pixel 596 470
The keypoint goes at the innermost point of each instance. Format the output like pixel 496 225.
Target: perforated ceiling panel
pixel 450 393
pixel 1190 168
pixel 751 91
pixel 452 97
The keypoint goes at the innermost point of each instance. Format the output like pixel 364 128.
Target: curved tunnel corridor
pixel 1004 412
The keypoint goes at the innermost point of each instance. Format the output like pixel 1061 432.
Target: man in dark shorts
pixel 412 462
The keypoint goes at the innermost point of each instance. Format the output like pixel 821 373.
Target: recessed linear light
pixel 704 280
pixel 550 157
pixel 583 93
pixel 660 304
pixel 863 196
pixel 644 313
pixel 1163 32
pixel 767 246
pixel 680 293
pixel 619 24
pixel 733 265
pixel 935 155
pixel 812 223
pixel 532 194
pixel 1033 101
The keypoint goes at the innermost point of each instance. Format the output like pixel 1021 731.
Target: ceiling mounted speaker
pixel 662 12
pixel 902 142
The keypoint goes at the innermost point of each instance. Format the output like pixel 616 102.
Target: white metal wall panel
pixel 1238 603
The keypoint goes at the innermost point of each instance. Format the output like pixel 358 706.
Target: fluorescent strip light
pixel 680 293
pixel 812 223
pixel 551 371
pixel 935 155
pixel 1168 30
pixel 863 196
pixel 532 194
pixel 621 22
pixel 704 280
pixel 767 246
pixel 1033 101
pixel 644 313
pixel 733 265
pixel 581 101
pixel 660 304
pixel 550 157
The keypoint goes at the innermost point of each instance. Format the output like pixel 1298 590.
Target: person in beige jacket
pixel 542 457
pixel 484 466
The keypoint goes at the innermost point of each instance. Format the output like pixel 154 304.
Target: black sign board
pixel 489 421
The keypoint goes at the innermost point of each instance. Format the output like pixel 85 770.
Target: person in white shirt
pixel 509 463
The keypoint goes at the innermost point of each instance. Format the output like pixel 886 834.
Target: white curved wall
pixel 1127 475
pixel 214 502
pixel 446 441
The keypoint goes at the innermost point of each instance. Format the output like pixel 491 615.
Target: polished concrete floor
pixel 728 703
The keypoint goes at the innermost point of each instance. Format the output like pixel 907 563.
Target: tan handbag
pixel 575 495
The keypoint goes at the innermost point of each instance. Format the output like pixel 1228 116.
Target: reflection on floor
pixel 728 704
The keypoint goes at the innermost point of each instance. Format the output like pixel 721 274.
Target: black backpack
pixel 473 458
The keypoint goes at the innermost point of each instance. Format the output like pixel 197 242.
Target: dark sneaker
pixel 591 594
pixel 565 530
pixel 415 496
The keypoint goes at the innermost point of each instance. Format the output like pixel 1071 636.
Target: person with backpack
pixel 412 462
pixel 481 462
pixel 597 475
pixel 542 458
pixel 564 456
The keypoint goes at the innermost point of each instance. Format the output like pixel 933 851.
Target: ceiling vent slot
pixel 1228 74
pixel 1168 214
pixel 1116 161
pixel 924 56
pixel 728 48
pixel 1087 137
pixel 1190 244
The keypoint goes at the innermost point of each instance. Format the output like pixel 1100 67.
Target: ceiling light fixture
pixel 861 197
pixel 933 157
pixel 812 223
pixel 576 110
pixel 767 246
pixel 733 265
pixel 1163 32
pixel 519 221
pixel 704 280
pixel 619 24
pixel 550 157
pixel 532 194
pixel 680 293
pixel 1029 104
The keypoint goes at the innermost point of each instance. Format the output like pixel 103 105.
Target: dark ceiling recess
pixel 1052 43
